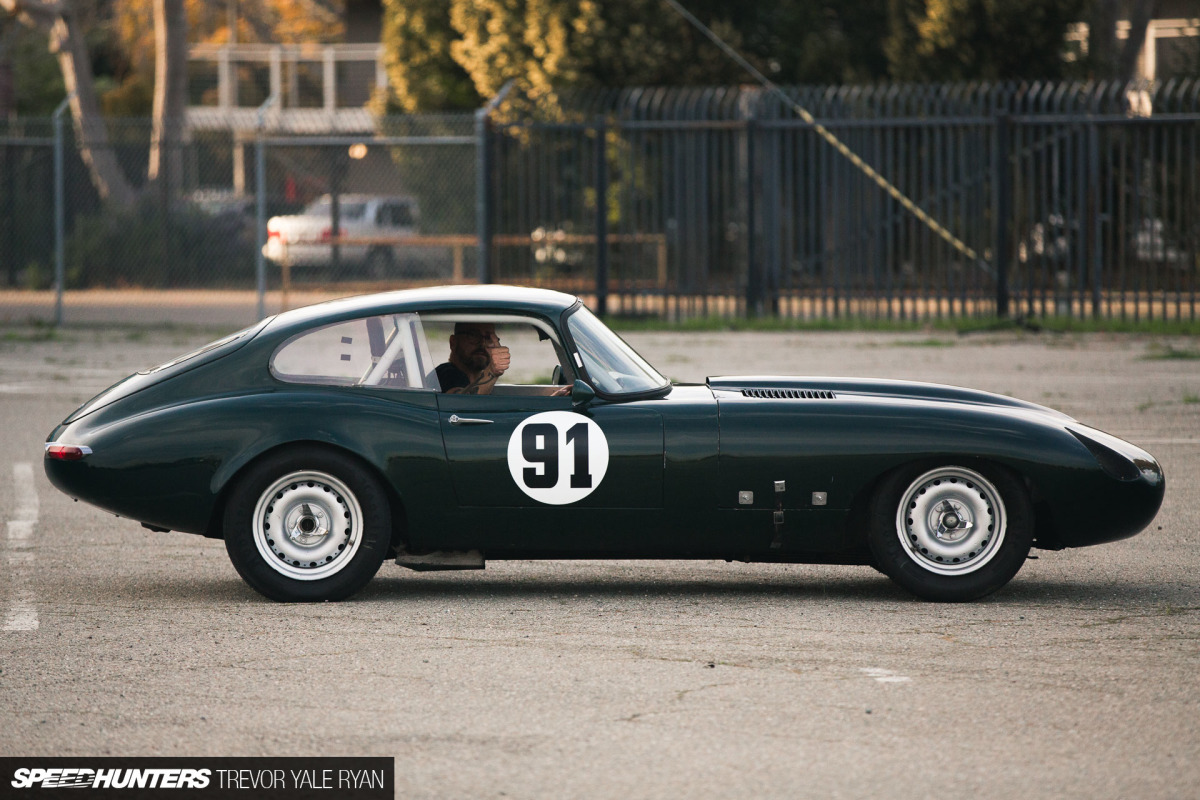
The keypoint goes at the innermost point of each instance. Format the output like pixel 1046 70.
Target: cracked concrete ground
pixel 637 679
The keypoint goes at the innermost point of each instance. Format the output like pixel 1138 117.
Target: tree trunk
pixel 1139 22
pixel 170 90
pixel 90 131
pixel 1110 59
pixel 66 40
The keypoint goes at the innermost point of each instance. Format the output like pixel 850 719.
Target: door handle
pixel 455 419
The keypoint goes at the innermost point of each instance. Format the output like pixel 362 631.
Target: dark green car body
pixel 167 446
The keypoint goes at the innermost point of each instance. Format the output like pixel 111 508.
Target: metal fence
pixel 1064 199
pixel 1074 199
pixel 192 244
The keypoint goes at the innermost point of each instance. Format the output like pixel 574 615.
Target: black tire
pixel 338 517
pixel 965 531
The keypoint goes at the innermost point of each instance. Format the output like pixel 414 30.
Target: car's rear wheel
pixel 951 533
pixel 306 526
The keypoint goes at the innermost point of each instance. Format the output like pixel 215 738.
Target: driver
pixel 477 360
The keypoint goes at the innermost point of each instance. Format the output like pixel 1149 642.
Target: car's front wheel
pixel 951 533
pixel 306 526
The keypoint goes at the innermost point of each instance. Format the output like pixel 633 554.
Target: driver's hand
pixel 501 359
pixel 561 391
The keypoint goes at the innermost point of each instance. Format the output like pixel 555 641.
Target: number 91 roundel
pixel 558 457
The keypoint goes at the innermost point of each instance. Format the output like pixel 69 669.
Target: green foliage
pixel 132 98
pixel 148 247
pixel 444 55
pixel 422 75
pixel 36 76
pixel 960 40
pixel 452 55
pixel 1171 353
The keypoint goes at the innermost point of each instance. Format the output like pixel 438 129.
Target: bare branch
pixel 35 13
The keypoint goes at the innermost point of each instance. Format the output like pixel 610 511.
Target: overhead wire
pixel 907 203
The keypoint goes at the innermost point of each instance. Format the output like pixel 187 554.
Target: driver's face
pixel 472 343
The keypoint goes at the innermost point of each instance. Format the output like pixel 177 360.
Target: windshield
pixel 612 365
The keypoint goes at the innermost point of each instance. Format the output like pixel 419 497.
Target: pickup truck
pixel 306 239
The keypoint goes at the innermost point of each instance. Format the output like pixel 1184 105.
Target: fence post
pixel 754 276
pixel 1093 215
pixel 483 184
pixel 601 220
pixel 260 207
pixel 60 268
pixel 260 216
pixel 1002 194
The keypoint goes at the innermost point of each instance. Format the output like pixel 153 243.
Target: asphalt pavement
pixel 630 679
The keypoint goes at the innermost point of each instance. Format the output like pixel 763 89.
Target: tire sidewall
pixel 260 575
pixel 894 561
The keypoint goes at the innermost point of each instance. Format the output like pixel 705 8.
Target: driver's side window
pixel 533 361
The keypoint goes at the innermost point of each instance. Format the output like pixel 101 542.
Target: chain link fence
pixel 339 215
pixel 1080 200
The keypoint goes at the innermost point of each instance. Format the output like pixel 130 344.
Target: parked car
pixel 306 239
pixel 318 442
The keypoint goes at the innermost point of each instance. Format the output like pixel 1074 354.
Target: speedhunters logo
pixel 202 778
pixel 81 778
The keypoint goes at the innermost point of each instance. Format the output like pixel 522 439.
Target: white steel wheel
pixel 950 533
pixel 951 521
pixel 307 525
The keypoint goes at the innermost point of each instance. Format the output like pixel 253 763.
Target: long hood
pixel 810 388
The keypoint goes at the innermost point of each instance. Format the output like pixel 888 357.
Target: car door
pixel 535 475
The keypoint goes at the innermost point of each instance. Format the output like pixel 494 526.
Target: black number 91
pixel 539 445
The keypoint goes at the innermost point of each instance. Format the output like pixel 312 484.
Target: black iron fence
pixel 1043 199
pixel 1073 199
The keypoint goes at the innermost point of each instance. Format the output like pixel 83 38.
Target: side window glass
pixel 535 360
pixel 386 351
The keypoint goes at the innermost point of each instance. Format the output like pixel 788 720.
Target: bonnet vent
pixel 793 394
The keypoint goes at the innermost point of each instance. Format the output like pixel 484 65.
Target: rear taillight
pixel 327 234
pixel 67 452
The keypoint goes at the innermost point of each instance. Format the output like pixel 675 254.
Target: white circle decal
pixel 557 457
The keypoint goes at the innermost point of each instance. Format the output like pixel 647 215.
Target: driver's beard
pixel 478 360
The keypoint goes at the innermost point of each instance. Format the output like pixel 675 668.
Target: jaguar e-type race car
pixel 321 441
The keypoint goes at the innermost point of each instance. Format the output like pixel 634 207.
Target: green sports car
pixel 323 440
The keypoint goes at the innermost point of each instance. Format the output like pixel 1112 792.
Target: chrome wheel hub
pixel 307 525
pixel 951 521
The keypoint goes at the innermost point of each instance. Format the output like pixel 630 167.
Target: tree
pixel 1108 58
pixel 422 73
pixel 962 40
pixel 165 37
pixel 266 21
pixel 59 20
pixel 451 55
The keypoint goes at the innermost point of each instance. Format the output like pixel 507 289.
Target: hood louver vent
pixel 791 394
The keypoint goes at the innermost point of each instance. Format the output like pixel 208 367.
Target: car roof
pixel 486 297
